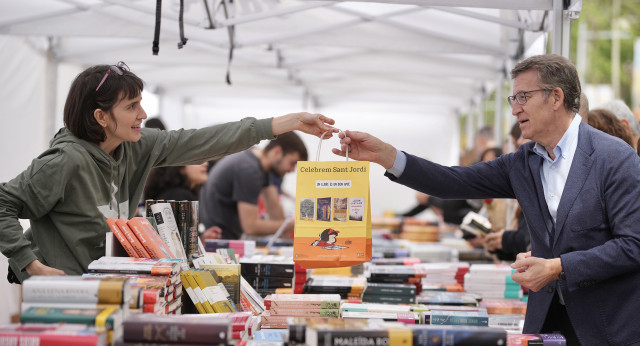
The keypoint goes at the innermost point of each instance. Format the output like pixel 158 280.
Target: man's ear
pixel 101 117
pixel 276 152
pixel 557 96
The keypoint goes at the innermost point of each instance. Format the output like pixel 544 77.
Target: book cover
pixel 195 299
pixel 103 317
pixel 324 209
pixel 117 232
pixel 51 334
pixel 177 329
pixel 133 240
pixel 307 209
pixel 168 229
pixel 356 209
pixel 390 288
pixel 229 275
pixel 127 265
pixel 76 289
pixel 340 208
pixel 149 238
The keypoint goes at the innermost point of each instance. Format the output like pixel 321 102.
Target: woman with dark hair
pixel 177 183
pixel 96 167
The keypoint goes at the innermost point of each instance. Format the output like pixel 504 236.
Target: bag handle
pixel 320 145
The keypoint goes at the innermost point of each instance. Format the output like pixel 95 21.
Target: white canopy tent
pixel 403 70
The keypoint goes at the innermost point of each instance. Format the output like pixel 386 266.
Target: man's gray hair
pixel 623 112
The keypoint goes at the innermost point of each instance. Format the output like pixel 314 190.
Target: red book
pixel 149 238
pixel 63 334
pixel 121 237
pixel 133 240
pixel 176 329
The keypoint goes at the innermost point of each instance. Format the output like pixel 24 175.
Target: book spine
pixel 176 331
pixel 117 232
pixel 133 240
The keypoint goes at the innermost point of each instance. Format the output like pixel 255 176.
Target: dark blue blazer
pixel 596 235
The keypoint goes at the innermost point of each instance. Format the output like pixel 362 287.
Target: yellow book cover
pixel 217 289
pixel 202 298
pixel 187 286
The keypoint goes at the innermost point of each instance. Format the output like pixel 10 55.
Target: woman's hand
pixel 313 124
pixel 37 268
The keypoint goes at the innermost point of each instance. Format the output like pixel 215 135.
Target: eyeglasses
pixel 118 68
pixel 521 97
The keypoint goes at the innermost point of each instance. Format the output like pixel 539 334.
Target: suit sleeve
pixel 479 181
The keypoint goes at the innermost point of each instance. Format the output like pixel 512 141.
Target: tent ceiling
pixel 432 53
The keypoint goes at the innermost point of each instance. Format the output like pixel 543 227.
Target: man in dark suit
pixel 578 188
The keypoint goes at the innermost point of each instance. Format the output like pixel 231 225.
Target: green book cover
pixel 69 315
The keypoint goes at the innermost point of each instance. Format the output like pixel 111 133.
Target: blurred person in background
pixel 626 117
pixel 607 122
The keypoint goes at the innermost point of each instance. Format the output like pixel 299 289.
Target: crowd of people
pixel 561 204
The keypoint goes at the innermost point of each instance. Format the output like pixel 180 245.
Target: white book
pixel 168 230
pixel 76 289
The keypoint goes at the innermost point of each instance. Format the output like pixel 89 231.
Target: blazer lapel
pixel 578 174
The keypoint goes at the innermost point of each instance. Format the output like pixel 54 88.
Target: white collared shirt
pixel 554 173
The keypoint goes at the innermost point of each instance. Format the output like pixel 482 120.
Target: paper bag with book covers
pixel 333 214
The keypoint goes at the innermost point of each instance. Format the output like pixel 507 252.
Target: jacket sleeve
pixel 482 180
pixel 30 195
pixel 187 147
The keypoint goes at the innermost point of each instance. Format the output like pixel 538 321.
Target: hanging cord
pixel 156 35
pixel 231 29
pixel 183 40
pixel 320 145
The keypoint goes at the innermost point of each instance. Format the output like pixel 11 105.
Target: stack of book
pixel 150 294
pixel 431 252
pixel 176 330
pixel 439 273
pixel 492 281
pixel 504 306
pixel 386 222
pixel 281 306
pixel 250 299
pixel 299 278
pixel 207 294
pixel 390 293
pixel 419 231
pixel 535 339
pixel 51 299
pixel 165 271
pixel 243 248
pixel 346 287
pixel 266 273
pixel 396 274
pixel 52 334
pixel 382 252
pixel 405 261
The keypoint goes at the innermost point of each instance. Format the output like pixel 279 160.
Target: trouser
pixel 557 321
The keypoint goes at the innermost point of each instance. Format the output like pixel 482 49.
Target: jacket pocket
pixel 586 214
